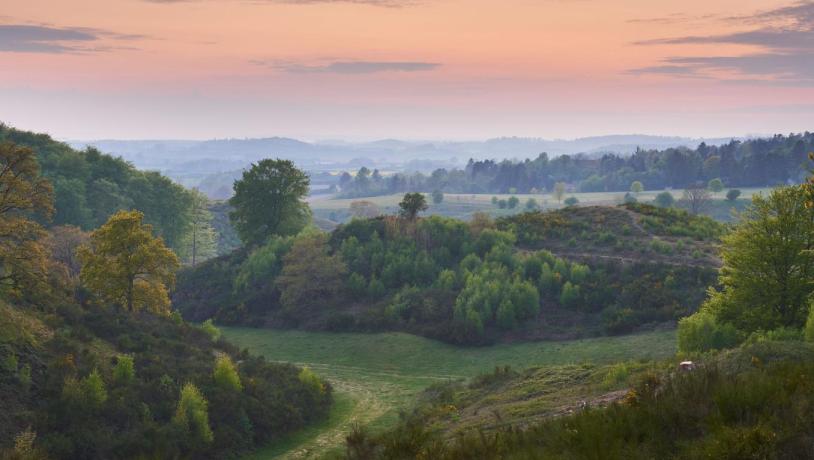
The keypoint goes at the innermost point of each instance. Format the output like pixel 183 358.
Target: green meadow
pixel 377 375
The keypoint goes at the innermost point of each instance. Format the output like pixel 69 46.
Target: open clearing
pixel 463 205
pixel 376 375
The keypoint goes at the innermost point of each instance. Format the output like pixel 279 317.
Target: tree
pixel 200 242
pixel 364 209
pixel 24 196
pixel 571 201
pixel 715 186
pixel 268 201
pixel 664 200
pixel 502 204
pixel 63 242
pixel 531 204
pixel 192 415
pixel 559 191
pixel 125 265
pixel 225 373
pixel 513 202
pixel 437 197
pixel 696 199
pixel 733 194
pixel 310 277
pixel 768 264
pixel 636 187
pixel 412 204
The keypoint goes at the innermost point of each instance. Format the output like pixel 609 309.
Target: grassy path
pixel 376 375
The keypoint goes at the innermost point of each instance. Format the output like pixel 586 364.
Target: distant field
pixel 464 205
pixel 375 375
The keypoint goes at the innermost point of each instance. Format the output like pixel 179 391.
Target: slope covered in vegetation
pixel 568 273
pixel 751 402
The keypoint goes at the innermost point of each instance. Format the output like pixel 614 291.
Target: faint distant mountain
pixel 189 162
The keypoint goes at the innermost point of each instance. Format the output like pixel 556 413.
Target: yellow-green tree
pixel 24 195
pixel 125 265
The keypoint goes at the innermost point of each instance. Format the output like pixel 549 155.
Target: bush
pixel 192 416
pixel 733 194
pixel 700 332
pixel 571 201
pixel 664 200
pixel 211 330
pixel 125 370
pixel 225 374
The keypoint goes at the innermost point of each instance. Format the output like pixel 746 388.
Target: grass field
pixel 376 375
pixel 464 205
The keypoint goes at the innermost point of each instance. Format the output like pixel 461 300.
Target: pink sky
pixel 450 69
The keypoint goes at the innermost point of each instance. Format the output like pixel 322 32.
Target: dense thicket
pixel 90 186
pixel 755 162
pixel 458 281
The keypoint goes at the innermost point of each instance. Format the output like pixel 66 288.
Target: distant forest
pixel 753 163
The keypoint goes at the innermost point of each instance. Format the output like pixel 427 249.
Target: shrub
pixel 192 415
pixel 664 200
pixel 125 370
pixel 571 201
pixel 211 330
pixel 700 332
pixel 225 373
pixel 733 194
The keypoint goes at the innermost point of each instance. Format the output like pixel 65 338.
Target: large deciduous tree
pixel 125 265
pixel 412 204
pixel 24 196
pixel 268 201
pixel 768 264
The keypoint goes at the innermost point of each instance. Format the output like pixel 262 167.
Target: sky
pixel 407 69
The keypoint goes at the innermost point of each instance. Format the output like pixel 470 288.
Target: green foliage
pixel 90 186
pixel 733 194
pixel 88 394
pixel 701 332
pixel 636 187
pixel 268 201
pixel 211 330
pixel 808 331
pixel 125 370
pixel 310 276
pixel 571 201
pixel 263 264
pixel 531 204
pixel 570 295
pixel 225 374
pixel 311 380
pixel 767 264
pixel 411 205
pixel 512 202
pixel 664 200
pixel 437 196
pixel 715 185
pixel 192 416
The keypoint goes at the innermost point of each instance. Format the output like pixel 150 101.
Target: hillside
pixel 569 273
pixel 744 403
pixel 51 356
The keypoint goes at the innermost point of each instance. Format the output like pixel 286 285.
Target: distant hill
pixel 188 161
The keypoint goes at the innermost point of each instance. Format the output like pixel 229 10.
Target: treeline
pixel 752 163
pixel 90 186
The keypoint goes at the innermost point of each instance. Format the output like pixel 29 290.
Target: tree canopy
pixel 24 196
pixel 412 204
pixel 268 200
pixel 768 264
pixel 125 265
